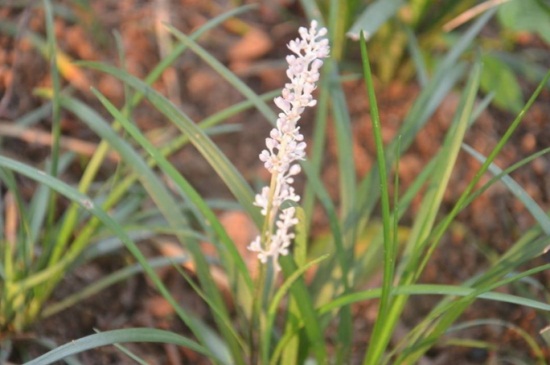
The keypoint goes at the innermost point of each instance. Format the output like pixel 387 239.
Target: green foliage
pixel 393 26
pixel 527 15
pixel 41 245
pixel 389 27
pixel 285 322
pixel 499 78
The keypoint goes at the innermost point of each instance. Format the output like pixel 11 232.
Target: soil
pixel 254 48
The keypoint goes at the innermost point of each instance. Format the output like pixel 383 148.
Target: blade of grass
pixel 452 144
pixel 276 300
pixel 199 329
pixel 416 252
pixel 93 166
pixel 527 247
pixel 529 340
pixel 426 289
pixel 389 246
pixel 50 344
pixel 417 58
pixel 346 168
pixel 51 46
pixel 216 309
pixel 34 116
pixel 107 281
pixel 448 310
pixel 318 143
pixel 505 172
pixel 346 163
pixel 225 73
pixel 163 200
pixel 230 254
pixel 532 206
pixel 312 10
pixel 225 170
pixel 56 88
pixel 340 277
pixel 117 336
pixel 130 354
pixel 291 351
pixel 304 301
pixel 431 289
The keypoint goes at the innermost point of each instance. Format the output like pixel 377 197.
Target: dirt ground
pixel 490 224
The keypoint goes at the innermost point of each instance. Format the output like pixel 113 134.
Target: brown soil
pixel 492 223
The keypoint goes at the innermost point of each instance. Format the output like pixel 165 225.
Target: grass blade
pixel 419 248
pixel 113 337
pixel 389 247
pixel 225 170
pixel 279 294
pixel 532 206
pixel 432 289
pixel 230 253
pixel 198 328
pixel 226 74
pixel 107 281
pixel 160 195
pixel 305 304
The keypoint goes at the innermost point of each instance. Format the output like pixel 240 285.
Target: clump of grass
pixel 251 334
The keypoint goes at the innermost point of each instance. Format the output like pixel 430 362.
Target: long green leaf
pixel 225 170
pixel 114 337
pixel 529 246
pixel 279 295
pixel 419 248
pixel 226 74
pixel 431 289
pixel 447 311
pixel 305 304
pixel 532 206
pixel 346 162
pixel 292 349
pixel 53 58
pixel 160 195
pixel 229 253
pixel 330 280
pixel 88 205
pixel 107 281
pixel 93 166
pixel 389 247
pixel 526 336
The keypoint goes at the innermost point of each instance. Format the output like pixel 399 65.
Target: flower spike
pixel 285 145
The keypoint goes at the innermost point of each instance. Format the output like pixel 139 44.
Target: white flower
pixel 285 145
